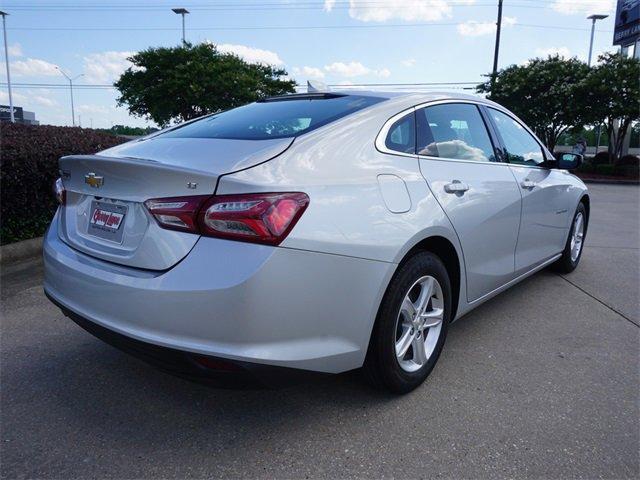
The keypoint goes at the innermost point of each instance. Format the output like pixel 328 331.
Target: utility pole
pixel 183 12
pixel 593 19
pixel 73 113
pixel 6 58
pixel 497 49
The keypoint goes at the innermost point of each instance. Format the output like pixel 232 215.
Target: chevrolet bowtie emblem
pixel 93 180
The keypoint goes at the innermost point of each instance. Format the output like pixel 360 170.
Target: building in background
pixel 21 116
pixel 627 27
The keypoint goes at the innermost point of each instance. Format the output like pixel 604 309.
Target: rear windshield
pixel 280 118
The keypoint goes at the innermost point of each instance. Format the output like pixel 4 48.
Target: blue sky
pixel 359 41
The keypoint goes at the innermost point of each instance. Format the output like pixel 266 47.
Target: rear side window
pixel 277 118
pixel 402 135
pixel 454 130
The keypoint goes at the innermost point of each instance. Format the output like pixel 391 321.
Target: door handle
pixel 456 187
pixel 528 184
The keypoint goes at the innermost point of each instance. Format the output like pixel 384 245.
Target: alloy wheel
pixel 419 323
pixel 577 236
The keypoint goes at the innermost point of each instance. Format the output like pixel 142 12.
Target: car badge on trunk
pixel 93 180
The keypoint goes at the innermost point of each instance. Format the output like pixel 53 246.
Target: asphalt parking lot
pixel 543 381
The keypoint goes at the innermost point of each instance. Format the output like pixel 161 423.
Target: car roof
pixel 414 95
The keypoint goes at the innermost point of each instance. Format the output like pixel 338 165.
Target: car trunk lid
pixel 104 215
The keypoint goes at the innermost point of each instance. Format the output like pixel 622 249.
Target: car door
pixel 476 191
pixel 545 203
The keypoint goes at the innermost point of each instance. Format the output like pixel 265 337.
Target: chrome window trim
pixel 381 146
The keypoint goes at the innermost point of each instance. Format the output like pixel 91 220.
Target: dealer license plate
pixel 107 221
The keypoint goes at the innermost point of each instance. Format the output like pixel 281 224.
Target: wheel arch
pixel 586 201
pixel 446 251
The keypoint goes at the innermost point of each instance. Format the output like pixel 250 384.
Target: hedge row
pixel 28 167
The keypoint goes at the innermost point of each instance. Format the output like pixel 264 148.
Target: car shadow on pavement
pixel 94 385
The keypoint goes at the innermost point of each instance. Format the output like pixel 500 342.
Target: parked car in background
pixel 318 232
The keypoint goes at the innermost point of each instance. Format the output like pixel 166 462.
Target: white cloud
pixel 551 51
pixel 252 55
pixel 105 67
pixel 328 5
pixel 409 62
pixel 408 10
pixel 18 98
pixel 33 67
pixel 308 72
pixel 473 28
pixel 96 109
pixel 15 50
pixel 30 98
pixel 582 7
pixel 355 69
pixel 43 101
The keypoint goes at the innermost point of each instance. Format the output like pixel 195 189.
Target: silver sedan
pixel 318 232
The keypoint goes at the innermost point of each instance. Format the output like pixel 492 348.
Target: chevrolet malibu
pixel 318 232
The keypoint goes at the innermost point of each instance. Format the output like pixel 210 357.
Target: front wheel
pixel 411 326
pixel 573 249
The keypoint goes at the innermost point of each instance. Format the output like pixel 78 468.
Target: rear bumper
pixel 230 300
pixel 203 369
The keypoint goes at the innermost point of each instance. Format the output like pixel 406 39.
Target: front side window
pixel 521 147
pixel 455 131
pixel 275 118
pixel 402 135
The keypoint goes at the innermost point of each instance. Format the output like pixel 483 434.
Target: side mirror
pixel 569 161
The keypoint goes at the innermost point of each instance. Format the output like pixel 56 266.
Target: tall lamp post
pixel 71 79
pixel 183 12
pixel 593 19
pixel 6 58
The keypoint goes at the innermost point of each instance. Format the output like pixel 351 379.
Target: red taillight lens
pixel 177 213
pixel 60 192
pixel 255 217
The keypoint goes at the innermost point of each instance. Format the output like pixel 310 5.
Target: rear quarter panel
pixel 338 167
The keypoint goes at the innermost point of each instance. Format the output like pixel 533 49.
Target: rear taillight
pixel 60 192
pixel 177 213
pixel 255 217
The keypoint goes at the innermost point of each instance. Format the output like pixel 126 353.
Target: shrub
pixel 631 160
pixel 602 158
pixel 28 167
pixel 605 169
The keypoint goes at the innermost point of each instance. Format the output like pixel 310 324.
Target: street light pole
pixel 6 58
pixel 73 113
pixel 593 19
pixel 183 12
pixel 497 47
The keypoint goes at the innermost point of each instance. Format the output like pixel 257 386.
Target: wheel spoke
pixel 432 318
pixel 419 354
pixel 409 307
pixel 403 344
pixel 426 292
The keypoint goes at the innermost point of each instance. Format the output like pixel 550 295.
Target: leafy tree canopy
pixel 611 94
pixel 175 84
pixel 542 93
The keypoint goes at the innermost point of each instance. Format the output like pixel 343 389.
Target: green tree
pixel 542 93
pixel 176 84
pixel 611 93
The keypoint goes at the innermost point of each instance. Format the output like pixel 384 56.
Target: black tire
pixel 381 367
pixel 565 264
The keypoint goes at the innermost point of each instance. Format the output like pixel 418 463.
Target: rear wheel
pixel 573 249
pixel 411 326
